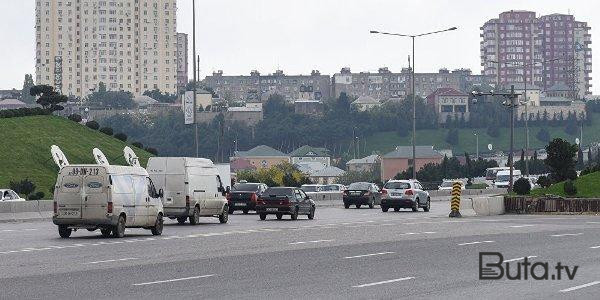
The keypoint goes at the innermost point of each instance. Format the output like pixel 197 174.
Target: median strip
pixel 367 255
pixel 173 280
pixel 383 282
pixel 580 287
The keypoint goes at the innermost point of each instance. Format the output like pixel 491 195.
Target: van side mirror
pixel 307 198
pixel 161 193
pixel 228 190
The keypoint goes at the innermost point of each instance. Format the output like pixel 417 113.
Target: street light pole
pixel 414 94
pixel 476 145
pixel 195 78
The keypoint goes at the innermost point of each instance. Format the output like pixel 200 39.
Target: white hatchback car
pixel 9 196
pixel 399 194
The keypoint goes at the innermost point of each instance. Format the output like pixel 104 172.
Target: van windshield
pixel 503 177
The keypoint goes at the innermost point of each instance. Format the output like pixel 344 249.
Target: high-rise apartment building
pixel 129 45
pixel 182 61
pixel 547 51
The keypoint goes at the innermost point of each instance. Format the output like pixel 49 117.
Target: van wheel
pixel 279 216
pixel 245 211
pixel 119 230
pixel 358 205
pixel 384 208
pixel 64 231
pixel 224 216
pixel 263 216
pixel 195 218
pixel 311 215
pixel 158 226
pixel 346 205
pixel 396 208
pixel 105 232
pixel 181 220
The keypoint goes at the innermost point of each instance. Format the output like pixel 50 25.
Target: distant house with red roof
pixel 449 103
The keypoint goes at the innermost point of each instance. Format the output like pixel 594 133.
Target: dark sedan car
pixel 243 196
pixel 362 193
pixel 281 201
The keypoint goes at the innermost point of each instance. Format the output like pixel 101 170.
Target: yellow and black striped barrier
pixel 455 200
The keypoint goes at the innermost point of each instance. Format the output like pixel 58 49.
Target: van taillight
pixel 408 192
pixel 55 207
pixel 253 198
pixel 384 192
pixel 109 208
pixel 187 201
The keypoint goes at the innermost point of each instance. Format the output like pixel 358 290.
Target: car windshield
pixel 310 188
pixel 331 188
pixel 502 177
pixel 361 186
pixel 397 185
pixel 278 192
pixel 247 187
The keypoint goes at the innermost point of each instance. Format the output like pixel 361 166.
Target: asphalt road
pixel 342 254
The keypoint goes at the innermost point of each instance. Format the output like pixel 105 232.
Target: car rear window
pixel 363 186
pixel 310 188
pixel 246 187
pixel 397 185
pixel 279 192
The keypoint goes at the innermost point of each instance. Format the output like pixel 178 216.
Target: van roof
pixel 189 161
pixel 113 169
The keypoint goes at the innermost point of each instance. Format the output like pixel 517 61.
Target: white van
pixel 106 197
pixel 192 188
pixel 503 178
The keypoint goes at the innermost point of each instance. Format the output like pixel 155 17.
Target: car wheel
pixel 279 216
pixel 181 220
pixel 263 216
pixel 415 205
pixel 396 208
pixel 358 205
pixel 346 205
pixel 195 218
pixel 64 231
pixel 295 214
pixel 245 211
pixel 105 232
pixel 384 208
pixel 311 215
pixel 158 225
pixel 224 216
pixel 119 230
pixel 372 203
pixel 428 206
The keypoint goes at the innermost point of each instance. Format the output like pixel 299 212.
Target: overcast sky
pixel 297 36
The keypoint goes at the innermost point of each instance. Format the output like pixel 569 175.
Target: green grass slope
pixel 384 142
pixel 588 186
pixel 25 148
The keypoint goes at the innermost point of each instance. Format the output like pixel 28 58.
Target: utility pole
pixel 195 78
pixel 476 145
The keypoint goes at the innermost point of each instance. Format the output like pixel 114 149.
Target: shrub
pixel 138 144
pixel 107 130
pixel 40 195
pixel 590 169
pixel 522 186
pixel 24 187
pixel 121 136
pixel 22 112
pixel 570 188
pixel 152 150
pixel 75 118
pixel 544 181
pixel 36 196
pixel 92 124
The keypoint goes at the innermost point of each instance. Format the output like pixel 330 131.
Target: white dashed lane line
pixel 382 282
pixel 475 243
pixel 520 258
pixel 521 226
pixel 307 242
pixel 580 287
pixel 368 255
pixel 109 261
pixel 567 234
pixel 173 280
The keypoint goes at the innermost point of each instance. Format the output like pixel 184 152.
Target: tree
pixel 561 159
pixel 23 187
pixel 48 98
pixel 121 136
pixel 452 137
pixel 522 186
pixel 580 164
pixel 157 95
pixel 92 124
pixel 25 93
pixel 112 99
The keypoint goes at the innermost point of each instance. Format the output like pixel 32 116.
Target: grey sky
pixel 237 36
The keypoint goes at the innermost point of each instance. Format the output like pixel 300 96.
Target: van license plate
pixel 272 209
pixel 240 204
pixel 69 213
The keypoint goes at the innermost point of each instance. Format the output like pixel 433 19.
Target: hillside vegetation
pixel 25 148
pixel 587 187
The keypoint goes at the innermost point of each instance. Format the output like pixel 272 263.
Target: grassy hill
pixel 25 148
pixel 384 142
pixel 587 187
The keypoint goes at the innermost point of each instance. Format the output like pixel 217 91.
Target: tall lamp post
pixel 195 78
pixel 476 145
pixel 414 98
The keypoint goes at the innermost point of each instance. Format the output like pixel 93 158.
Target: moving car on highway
pixel 192 188
pixel 244 196
pixel 335 188
pixel 281 201
pixel 404 194
pixel 362 193
pixel 9 196
pixel 312 188
pixel 448 184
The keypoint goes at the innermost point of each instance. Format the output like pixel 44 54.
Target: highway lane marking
pixel 474 243
pixel 521 226
pixel 566 234
pixel 173 280
pixel 367 255
pixel 317 241
pixel 580 287
pixel 16 230
pixel 520 258
pixel 593 222
pixel 595 247
pixel 382 282
pixel 110 260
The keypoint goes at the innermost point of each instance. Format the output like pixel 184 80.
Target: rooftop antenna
pixel 59 157
pixel 100 157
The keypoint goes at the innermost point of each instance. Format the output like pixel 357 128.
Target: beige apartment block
pixel 130 45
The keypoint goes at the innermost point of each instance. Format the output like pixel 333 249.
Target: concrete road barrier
pixel 26 210
pixel 466 207
pixel 488 206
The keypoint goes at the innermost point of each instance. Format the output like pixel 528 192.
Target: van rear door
pixel 69 198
